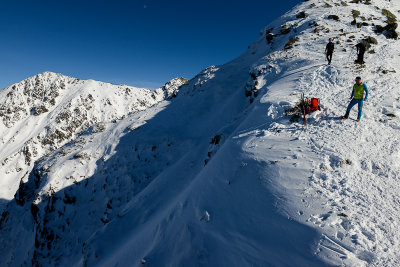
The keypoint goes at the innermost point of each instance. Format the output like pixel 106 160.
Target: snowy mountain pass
pixel 221 175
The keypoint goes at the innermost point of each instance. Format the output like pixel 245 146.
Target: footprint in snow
pixel 319 219
pixel 346 224
pixel 354 239
pixel 370 236
pixel 339 235
pixel 367 256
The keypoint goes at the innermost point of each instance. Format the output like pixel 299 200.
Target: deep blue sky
pixel 139 43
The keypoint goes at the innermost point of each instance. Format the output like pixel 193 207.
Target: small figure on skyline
pixel 330 48
pixel 358 96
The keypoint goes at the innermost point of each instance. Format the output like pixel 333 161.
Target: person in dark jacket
pixel 360 52
pixel 358 96
pixel 330 48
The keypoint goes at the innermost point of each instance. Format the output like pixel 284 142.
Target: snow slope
pixel 48 110
pixel 219 176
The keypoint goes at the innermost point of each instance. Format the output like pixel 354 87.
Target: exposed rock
pixel 389 30
pixel 171 88
pixel 285 29
pixel 334 17
pixel 301 15
pixel 291 42
pixel 39 110
pixel 269 37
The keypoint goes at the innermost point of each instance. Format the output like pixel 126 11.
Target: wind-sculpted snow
pixel 218 174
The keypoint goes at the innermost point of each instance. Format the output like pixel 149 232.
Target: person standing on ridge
pixel 330 47
pixel 360 52
pixel 357 97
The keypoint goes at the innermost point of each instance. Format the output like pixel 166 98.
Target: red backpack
pixel 309 105
pixel 314 105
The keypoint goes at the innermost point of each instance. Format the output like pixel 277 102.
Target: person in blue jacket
pixel 358 96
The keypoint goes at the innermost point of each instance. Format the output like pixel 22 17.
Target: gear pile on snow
pixel 305 106
pixel 310 105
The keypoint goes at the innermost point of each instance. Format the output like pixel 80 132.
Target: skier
pixel 357 97
pixel 330 47
pixel 360 52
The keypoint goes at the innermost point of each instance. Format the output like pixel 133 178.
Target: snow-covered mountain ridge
pixel 220 176
pixel 48 110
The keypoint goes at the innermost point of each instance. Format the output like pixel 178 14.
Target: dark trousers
pixel 360 58
pixel 329 57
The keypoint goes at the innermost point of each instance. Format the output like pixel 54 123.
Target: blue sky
pixel 139 43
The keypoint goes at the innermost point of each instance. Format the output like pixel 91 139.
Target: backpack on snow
pixel 308 105
pixel 313 105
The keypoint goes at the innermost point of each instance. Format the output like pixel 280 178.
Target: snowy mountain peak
pixel 48 110
pixel 172 87
pixel 48 75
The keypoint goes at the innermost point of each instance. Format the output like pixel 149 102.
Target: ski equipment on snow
pixel 309 105
pixel 314 105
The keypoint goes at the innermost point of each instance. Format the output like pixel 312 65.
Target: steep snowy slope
pixel 44 112
pixel 219 175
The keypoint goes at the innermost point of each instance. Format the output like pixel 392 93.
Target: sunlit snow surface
pixel 208 178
